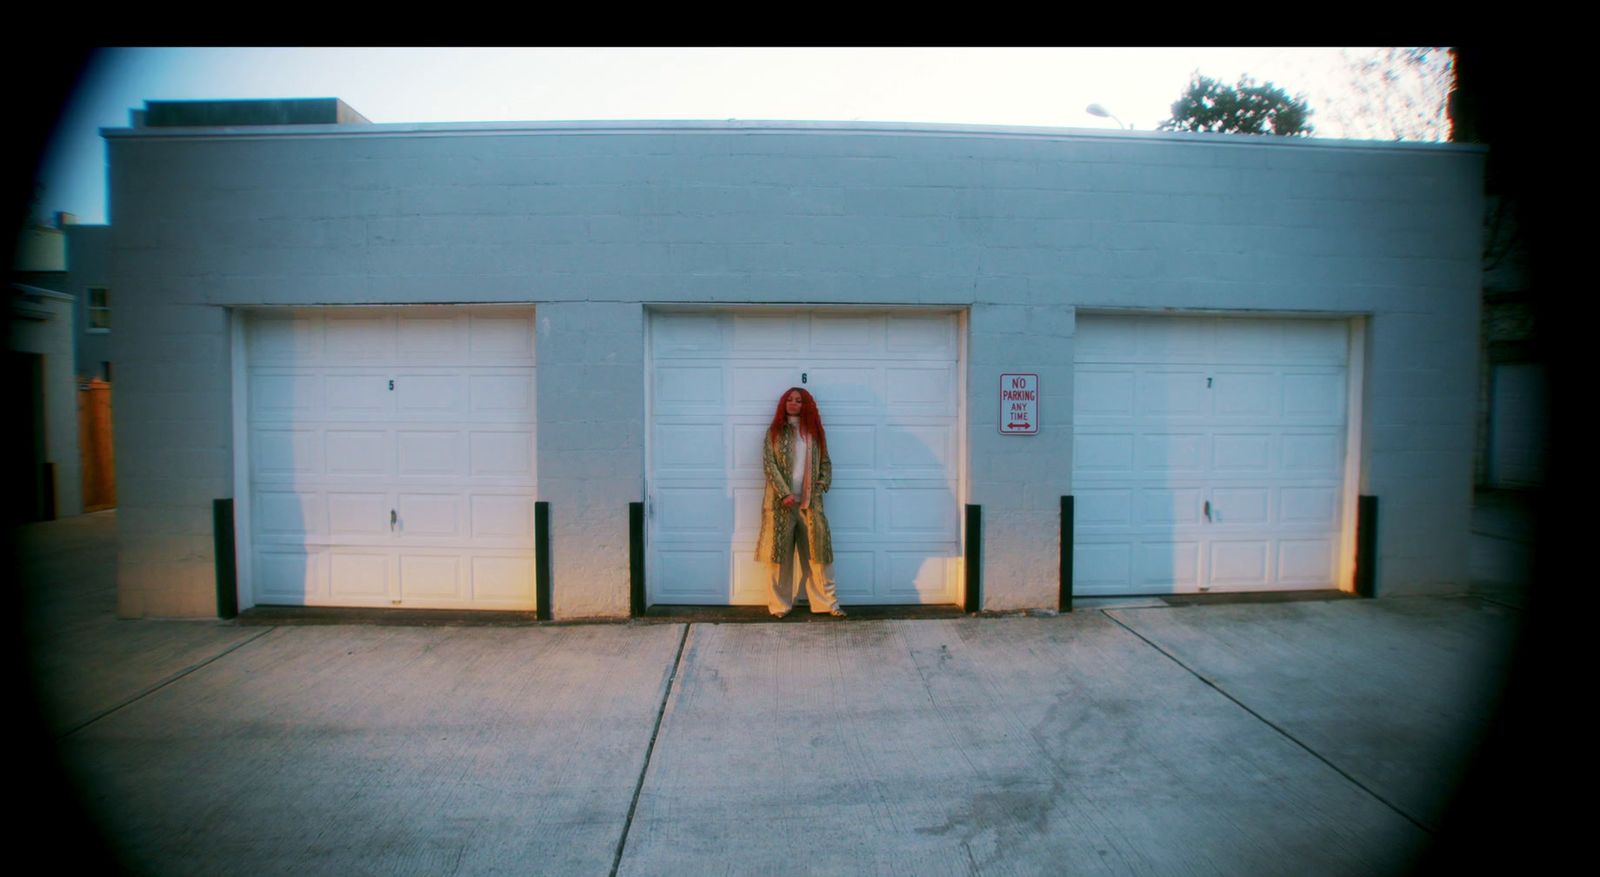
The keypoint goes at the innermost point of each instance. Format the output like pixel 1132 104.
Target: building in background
pixel 386 345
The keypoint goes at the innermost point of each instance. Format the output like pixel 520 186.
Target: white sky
pixel 1011 86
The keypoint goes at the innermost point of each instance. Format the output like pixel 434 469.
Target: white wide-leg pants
pixel 818 577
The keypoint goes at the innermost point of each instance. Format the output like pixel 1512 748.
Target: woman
pixel 795 455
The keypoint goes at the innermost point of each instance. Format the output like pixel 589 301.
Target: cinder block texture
pixel 593 222
pixel 590 449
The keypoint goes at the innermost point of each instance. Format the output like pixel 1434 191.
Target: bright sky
pixel 1012 86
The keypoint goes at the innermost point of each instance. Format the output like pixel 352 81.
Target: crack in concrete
pixel 650 750
pixel 152 689
pixel 1274 726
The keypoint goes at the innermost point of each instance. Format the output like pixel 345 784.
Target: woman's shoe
pixel 837 612
pixel 780 614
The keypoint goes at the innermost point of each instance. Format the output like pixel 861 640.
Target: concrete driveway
pixel 1308 737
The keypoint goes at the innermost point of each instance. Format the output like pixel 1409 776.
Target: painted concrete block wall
pixel 1022 227
pixel 52 339
pixel 174 449
pixel 1020 479
pixel 590 449
pixel 89 264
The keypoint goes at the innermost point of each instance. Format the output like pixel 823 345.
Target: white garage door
pixel 888 386
pixel 1208 454
pixel 391 457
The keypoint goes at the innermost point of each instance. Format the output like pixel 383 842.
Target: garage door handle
pixel 1208 509
pixel 392 518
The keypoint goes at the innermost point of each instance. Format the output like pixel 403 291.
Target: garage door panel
pixel 920 513
pixel 749 578
pixel 855 576
pixel 1102 454
pixel 1248 340
pixel 285 454
pixel 1244 413
pixel 502 518
pixel 1240 562
pixel 1163 506
pixel 846 335
pixel 763 334
pixel 694 511
pixel 1241 506
pixel 357 452
pixel 280 338
pixel 429 578
pixel 362 578
pixel 356 337
pixel 290 513
pixel 683 448
pixel 747 452
pixel 1172 452
pixel 915 576
pixel 1314 397
pixel 1241 453
pixel 1164 566
pixel 1164 395
pixel 422 396
pixel 851 448
pixel 360 514
pixel 912 450
pixel 687 334
pixel 844 389
pixel 1324 342
pixel 498 338
pixel 357 397
pixel 1308 454
pixel 1244 394
pixel 501 453
pixel 449 451
pixel 852 511
pixel 1174 340
pixel 688 390
pixel 291 576
pixel 1107 394
pixel 1103 508
pixel 747 512
pixel 1314 506
pixel 281 397
pixel 502 581
pixel 921 390
pixel 500 397
pixel 891 418
pixel 755 389
pixel 430 514
pixel 921 335
pixel 692 576
pixel 431 338
pixel 1103 567
pixel 430 453
pixel 1306 561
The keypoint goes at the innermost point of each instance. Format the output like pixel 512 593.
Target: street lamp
pixel 1102 112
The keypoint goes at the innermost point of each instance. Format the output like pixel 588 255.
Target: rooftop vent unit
pixel 241 113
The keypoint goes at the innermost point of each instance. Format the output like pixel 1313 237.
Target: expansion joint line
pixel 1273 725
pixel 650 751
pixel 152 689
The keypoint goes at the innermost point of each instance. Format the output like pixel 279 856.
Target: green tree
pixel 1210 105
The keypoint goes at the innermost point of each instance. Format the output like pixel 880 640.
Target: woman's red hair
pixel 810 420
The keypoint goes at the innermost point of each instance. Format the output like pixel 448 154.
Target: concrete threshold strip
pixel 1273 725
pixel 157 686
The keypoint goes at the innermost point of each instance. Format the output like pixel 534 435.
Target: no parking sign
pixel 1019 404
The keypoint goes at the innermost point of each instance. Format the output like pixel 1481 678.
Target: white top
pixel 797 472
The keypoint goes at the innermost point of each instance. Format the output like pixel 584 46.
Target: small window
pixel 99 309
